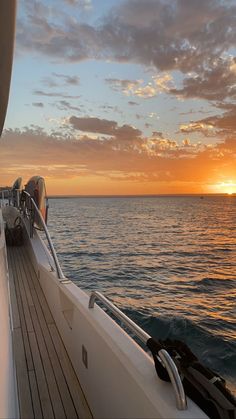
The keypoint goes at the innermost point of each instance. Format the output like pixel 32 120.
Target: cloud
pixel 157 134
pixel 158 84
pixel 73 80
pixel 155 145
pixel 163 82
pixel 115 109
pixel 63 105
pixel 147 91
pixel 194 111
pixel 49 82
pixel 216 125
pixel 186 142
pixel 85 4
pixel 228 146
pixel 103 126
pixel 68 80
pixel 97 125
pixel 206 129
pixel 54 94
pixel 38 104
pixel 225 123
pixel 175 34
pixel 153 115
pixel 153 159
pixel 161 159
pixel 122 85
pixel 217 82
pixel 132 103
pixel 194 38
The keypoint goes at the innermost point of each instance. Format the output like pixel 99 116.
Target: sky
pixel 123 97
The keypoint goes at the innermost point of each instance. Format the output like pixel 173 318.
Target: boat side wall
pixel 117 377
pixel 8 390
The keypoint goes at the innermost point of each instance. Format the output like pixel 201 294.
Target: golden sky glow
pixel 228 187
pixel 116 98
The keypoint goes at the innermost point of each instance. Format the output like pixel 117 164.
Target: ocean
pixel 168 262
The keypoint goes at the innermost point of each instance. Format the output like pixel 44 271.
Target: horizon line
pixel 139 195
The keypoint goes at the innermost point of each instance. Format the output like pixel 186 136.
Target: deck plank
pixel 35 395
pixel 51 381
pixel 40 335
pixel 22 275
pixel 36 288
pixel 41 380
pixel 14 305
pixel 65 375
pixel 47 384
pixel 58 372
pixel 21 290
pixel 75 389
pixel 11 253
pixel 23 384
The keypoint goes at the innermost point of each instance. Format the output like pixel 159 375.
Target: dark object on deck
pixel 206 388
pixel 14 235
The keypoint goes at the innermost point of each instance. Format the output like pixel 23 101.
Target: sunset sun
pixel 227 187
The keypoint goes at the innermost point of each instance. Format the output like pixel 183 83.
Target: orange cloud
pixel 204 128
pixel 149 164
pixel 158 84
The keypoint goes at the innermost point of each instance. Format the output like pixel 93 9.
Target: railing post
pixel 175 379
pixel 53 252
pixel 92 300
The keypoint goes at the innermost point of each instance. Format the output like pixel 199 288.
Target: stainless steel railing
pixel 60 274
pixel 165 358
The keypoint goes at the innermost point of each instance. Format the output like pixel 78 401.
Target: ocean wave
pixel 213 351
pixel 215 282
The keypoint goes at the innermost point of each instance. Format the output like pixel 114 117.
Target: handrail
pixel 140 333
pixel 50 243
pixel 175 379
pixel 165 358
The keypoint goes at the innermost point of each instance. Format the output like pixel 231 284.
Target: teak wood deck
pixel 46 381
